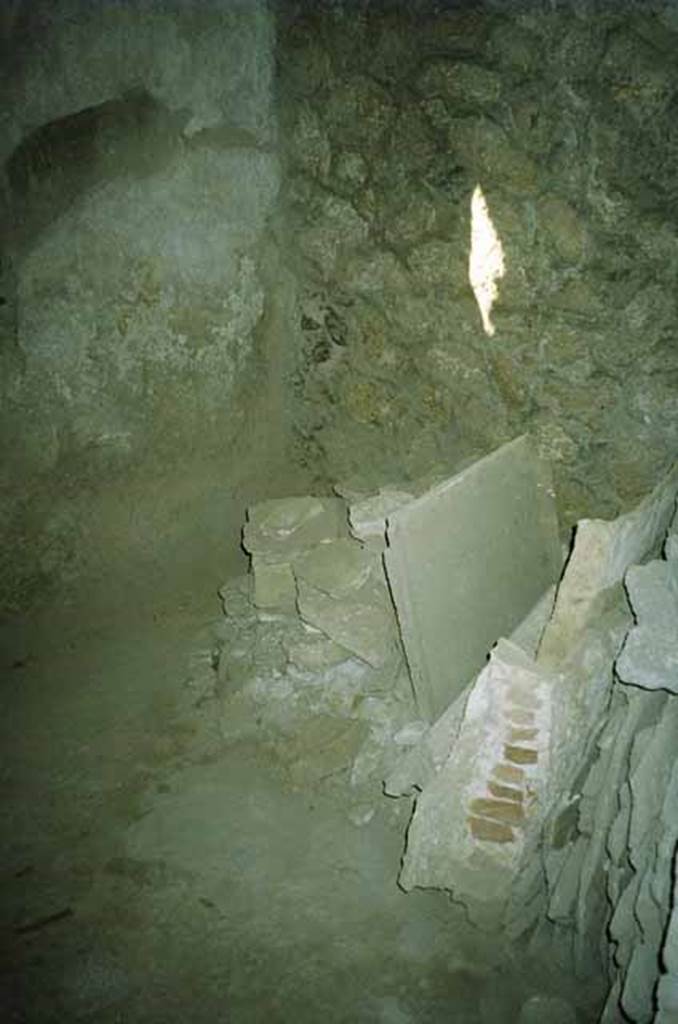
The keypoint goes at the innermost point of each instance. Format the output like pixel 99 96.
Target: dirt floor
pixel 151 873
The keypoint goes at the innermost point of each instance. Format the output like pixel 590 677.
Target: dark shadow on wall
pixel 132 135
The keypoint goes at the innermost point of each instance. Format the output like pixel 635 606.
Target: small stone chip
pixel 509 773
pixel 498 810
pixel 490 831
pixel 520 755
pixel 523 734
pixel 505 792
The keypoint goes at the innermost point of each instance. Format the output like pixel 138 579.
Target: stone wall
pixel 564 115
pixel 142 296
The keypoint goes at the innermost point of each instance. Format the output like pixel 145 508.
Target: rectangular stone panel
pixel 466 562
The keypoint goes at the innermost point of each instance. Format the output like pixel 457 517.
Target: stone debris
pixel 546 789
pixel 650 655
pixel 363 624
pixel 603 552
pixel 341 590
pixel 466 562
pixel 368 516
pixel 274 588
pixel 309 657
pixel 282 527
pixel 608 844
pixel 549 789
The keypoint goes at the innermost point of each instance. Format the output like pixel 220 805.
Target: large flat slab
pixel 466 563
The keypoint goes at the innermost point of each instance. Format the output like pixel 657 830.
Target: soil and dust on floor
pixel 152 871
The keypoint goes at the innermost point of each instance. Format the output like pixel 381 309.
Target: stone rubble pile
pixel 309 651
pixel 610 867
pixel 547 793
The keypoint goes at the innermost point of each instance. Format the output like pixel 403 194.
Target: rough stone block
pixel 466 562
pixel 274 587
pixel 603 552
pixel 363 623
pixel 282 528
pixel 339 568
pixel 316 653
pixel 650 655
pixel 367 517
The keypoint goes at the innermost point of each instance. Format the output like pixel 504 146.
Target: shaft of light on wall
pixel 486 262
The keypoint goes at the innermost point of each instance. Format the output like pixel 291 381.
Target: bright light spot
pixel 486 263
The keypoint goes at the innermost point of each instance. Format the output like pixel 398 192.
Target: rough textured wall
pixel 565 116
pixel 139 317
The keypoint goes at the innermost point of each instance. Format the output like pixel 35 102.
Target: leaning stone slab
pixel 525 733
pixel 603 552
pixel 466 562
pixel 281 528
pixel 415 769
pixel 650 655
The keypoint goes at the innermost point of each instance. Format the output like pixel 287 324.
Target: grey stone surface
pixel 315 652
pixel 602 554
pixel 281 529
pixel 650 654
pixel 466 562
pixel 339 568
pixel 363 623
pixel 274 588
pixel 367 517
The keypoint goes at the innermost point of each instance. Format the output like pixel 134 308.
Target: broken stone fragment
pixel 367 517
pixel 282 528
pixel 363 623
pixel 565 887
pixel 650 655
pixel 603 552
pixel 274 588
pixel 315 652
pixel 420 764
pixel 339 568
pixel 235 598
